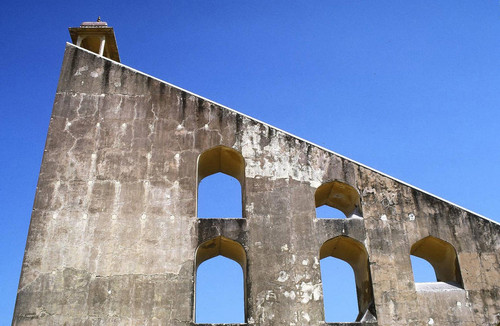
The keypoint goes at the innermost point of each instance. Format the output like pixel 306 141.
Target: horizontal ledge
pixel 437 287
pixel 220 218
pixel 351 324
pixel 219 324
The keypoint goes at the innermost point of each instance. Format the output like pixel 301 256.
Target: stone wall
pixel 114 233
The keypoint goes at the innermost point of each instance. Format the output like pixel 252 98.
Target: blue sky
pixel 409 88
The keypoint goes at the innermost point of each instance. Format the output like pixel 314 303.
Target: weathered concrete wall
pixel 113 235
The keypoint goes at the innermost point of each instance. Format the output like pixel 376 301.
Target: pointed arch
pixel 339 195
pixel 221 246
pixel 354 253
pixel 222 159
pixel 423 272
pixel 442 256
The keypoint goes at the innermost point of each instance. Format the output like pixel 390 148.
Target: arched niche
pixel 225 160
pixel 221 246
pixel 442 256
pixel 354 253
pixel 221 159
pixel 339 195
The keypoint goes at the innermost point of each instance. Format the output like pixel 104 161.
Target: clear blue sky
pixel 409 88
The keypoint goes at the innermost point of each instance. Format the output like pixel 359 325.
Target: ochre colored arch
pixel 340 196
pixel 221 246
pixel 221 159
pixel 441 255
pixel 354 253
pixel 227 248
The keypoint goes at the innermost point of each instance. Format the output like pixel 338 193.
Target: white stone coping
pixel 436 287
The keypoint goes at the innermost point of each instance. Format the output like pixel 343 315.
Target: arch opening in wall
pixel 442 256
pixel 220 183
pixel 337 200
pixel 354 253
pixel 232 307
pixel 423 272
pixel 339 290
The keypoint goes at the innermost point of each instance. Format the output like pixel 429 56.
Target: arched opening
pixel 441 256
pixel 221 179
pixel 221 282
pixel 219 195
pixel 326 211
pixel 354 253
pixel 339 290
pixel 219 294
pixel 422 270
pixel 341 199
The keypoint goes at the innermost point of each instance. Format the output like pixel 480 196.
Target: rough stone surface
pixel 114 232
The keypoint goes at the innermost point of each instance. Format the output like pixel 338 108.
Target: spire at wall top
pixel 97 37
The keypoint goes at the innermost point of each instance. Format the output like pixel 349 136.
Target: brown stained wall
pixel 113 234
